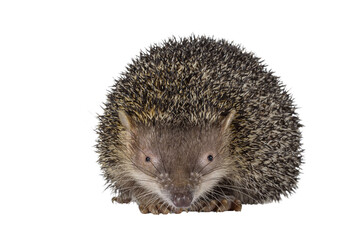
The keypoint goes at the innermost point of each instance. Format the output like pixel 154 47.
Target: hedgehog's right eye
pixel 147 159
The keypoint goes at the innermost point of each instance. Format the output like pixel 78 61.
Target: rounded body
pixel 186 101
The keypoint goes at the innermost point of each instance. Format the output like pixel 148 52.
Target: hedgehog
pixel 198 124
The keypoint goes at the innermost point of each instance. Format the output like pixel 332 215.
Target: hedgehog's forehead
pixel 178 135
pixel 180 144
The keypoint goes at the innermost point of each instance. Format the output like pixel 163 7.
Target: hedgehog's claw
pixel 154 209
pixel 236 205
pixel 121 199
pixel 210 206
pixel 222 205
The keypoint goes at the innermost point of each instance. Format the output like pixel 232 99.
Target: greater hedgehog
pixel 199 124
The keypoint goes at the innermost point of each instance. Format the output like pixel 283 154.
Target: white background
pixel 58 59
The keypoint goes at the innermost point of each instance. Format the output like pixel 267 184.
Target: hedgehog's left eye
pixel 210 158
pixel 147 159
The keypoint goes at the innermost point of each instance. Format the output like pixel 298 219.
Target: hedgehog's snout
pixel 182 199
pixel 179 189
pixel 180 196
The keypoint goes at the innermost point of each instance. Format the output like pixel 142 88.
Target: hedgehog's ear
pixel 226 121
pixel 127 122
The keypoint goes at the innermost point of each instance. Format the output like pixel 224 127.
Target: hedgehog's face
pixel 180 164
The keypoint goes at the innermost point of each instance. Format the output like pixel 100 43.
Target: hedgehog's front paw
pixel 121 199
pixel 221 205
pixel 155 208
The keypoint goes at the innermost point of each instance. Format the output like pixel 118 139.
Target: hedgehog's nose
pixel 181 199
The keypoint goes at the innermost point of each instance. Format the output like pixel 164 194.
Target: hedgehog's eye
pixel 210 158
pixel 147 159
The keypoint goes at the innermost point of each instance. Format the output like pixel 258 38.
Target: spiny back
pixel 192 80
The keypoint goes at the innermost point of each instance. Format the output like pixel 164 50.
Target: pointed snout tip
pixel 182 200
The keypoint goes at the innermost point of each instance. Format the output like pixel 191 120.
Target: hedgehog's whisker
pixel 146 172
pixel 143 195
pixel 146 180
pixel 164 202
pixel 138 147
pixel 214 197
pixel 213 170
pixel 234 188
pixel 199 203
pixel 144 199
pixel 238 187
pixel 220 195
pixel 220 151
